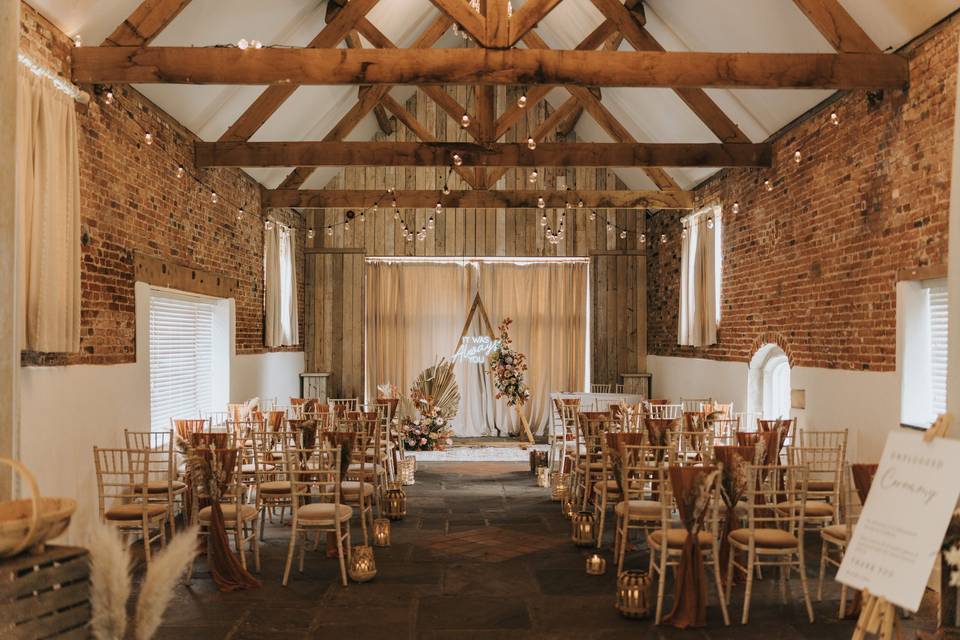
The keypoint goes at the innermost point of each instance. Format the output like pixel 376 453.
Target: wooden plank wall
pixel 335 276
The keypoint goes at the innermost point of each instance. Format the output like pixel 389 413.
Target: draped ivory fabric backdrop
pixel 699 279
pixel 48 206
pixel 280 267
pixel 416 311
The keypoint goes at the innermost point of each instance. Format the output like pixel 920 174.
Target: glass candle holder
pixel 363 566
pixel 596 565
pixel 381 532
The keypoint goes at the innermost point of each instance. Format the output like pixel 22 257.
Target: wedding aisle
pixel 482 553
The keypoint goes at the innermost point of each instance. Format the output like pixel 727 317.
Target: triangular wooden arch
pixel 485 321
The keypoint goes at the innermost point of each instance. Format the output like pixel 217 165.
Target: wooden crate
pixel 46 595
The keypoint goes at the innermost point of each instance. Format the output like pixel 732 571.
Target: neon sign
pixel 476 349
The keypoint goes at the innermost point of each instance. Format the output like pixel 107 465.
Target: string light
pixel 683 234
pixel 593 216
pixel 242 44
pixel 834 119
pixel 430 223
pixel 531 143
pixel 768 185
pixel 214 198
pixel 663 238
pixel 311 233
pixel 643 238
pixel 240 213
pixel 580 204
pixel 541 203
pixel 268 225
pixel 329 230
pixel 181 171
pixel 256 44
pixel 543 220
pixel 609 227
pixel 396 214
pixel 363 217
pixel 710 223
pixel 623 234
pixel 796 157
pixel 446 190
pixel 533 176
pixel 736 207
pixel 393 203
pixel 439 208
pixel 457 159
pixel 522 101
pixel 346 225
pixel 465 121
pixel 77 41
pixel 108 97
pixel 148 138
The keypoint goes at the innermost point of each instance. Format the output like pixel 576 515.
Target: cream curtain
pixel 48 207
pixel 280 287
pixel 700 279
pixel 548 304
pixel 416 312
pixel 414 315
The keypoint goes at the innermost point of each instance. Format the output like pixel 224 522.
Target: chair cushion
pixel 250 468
pixel 820 485
pixel 640 508
pixel 351 488
pixel 368 467
pixel 134 511
pixel 676 538
pixel 159 486
pixel 837 532
pixel 765 538
pixel 812 508
pixel 612 486
pixel 247 512
pixel 275 487
pixel 324 512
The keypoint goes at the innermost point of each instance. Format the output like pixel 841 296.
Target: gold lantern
pixel 596 565
pixel 408 468
pixel 381 532
pixel 543 476
pixel 633 594
pixel 567 506
pixel 559 485
pixel 362 566
pixel 395 502
pixel 583 529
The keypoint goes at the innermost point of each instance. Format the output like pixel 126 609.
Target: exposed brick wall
pixel 815 260
pixel 132 201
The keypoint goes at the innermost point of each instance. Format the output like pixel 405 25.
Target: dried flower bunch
pixel 426 433
pixel 435 391
pixel 698 500
pixel 508 367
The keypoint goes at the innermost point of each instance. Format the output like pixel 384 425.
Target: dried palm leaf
pixel 435 390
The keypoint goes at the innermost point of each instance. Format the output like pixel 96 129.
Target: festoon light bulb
pixel 522 101
pixel 541 203
pixel 465 121
pixel 533 176
pixel 531 143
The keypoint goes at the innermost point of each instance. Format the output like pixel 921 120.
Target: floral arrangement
pixel 426 433
pixel 508 367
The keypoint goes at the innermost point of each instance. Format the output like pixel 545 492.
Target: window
pixel 768 384
pixel 701 266
pixel 280 286
pixel 922 350
pixel 186 357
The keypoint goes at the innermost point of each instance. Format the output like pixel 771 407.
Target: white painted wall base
pixel 865 402
pixel 65 411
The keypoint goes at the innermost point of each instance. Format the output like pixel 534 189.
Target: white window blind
pixel 181 358
pixel 937 309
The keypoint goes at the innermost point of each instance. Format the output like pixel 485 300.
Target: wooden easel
pixel 486 324
pixel 878 617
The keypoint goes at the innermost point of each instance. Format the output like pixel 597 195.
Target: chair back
pixel 825 466
pixel 821 439
pixel 690 447
pixel 314 474
pixel 183 427
pixel 694 405
pixel 776 497
pixel 599 388
pixel 342 405
pixel 642 470
pixel 691 493
pixel 161 463
pixel 122 476
pixel 663 411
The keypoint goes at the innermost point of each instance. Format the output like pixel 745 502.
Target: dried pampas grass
pixel 110 583
pixel 110 579
pixel 165 570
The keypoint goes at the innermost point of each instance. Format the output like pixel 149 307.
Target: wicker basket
pixel 30 522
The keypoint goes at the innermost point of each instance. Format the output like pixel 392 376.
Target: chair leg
pixel 720 594
pixel 783 583
pixel 255 543
pixel 303 552
pixel 238 538
pixel 823 569
pixel 263 518
pixel 662 581
pixel 603 518
pixel 343 565
pixel 729 584
pixel 146 539
pixel 290 548
pixel 624 537
pixel 751 557
pixel 803 583
pixel 843 601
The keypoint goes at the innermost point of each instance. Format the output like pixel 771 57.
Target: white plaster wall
pixel 65 411
pixel 865 402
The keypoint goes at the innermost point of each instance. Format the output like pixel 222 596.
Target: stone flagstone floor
pixel 483 553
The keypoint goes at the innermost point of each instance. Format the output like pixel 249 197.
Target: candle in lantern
pixel 362 567
pixel 596 566
pixel 381 532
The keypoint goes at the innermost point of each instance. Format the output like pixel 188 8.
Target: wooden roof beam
pixel 145 23
pixel 284 67
pixel 837 26
pixel 526 18
pixel 438 154
pixel 478 199
pixel 468 19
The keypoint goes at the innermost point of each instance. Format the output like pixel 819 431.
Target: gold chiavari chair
pixel 359 484
pixel 387 446
pixel 123 495
pixel 342 405
pixel 662 411
pixel 824 477
pixel 606 487
pixel 599 388
pixel 272 479
pixel 785 427
pixel 666 543
pixel 593 425
pixel 694 405
pixel 691 447
pixel 569 446
pixel 317 507
pixel 725 429
pixel 163 487
pixel 618 388
pixel 821 439
pixel 640 478
pixel 773 536
pixel 239 517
